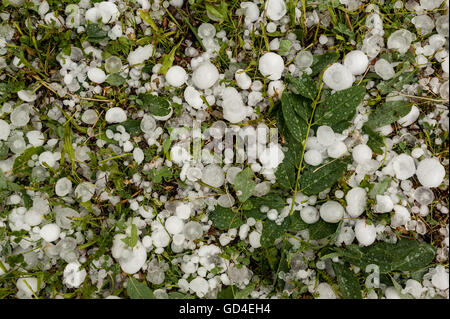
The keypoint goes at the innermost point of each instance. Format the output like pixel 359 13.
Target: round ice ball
pixel 365 233
pixel 96 75
pixel 430 172
pixel 331 211
pixel 176 76
pixel 309 214
pixel 338 77
pixel 205 75
pixel 50 232
pixel 271 65
pixel 356 61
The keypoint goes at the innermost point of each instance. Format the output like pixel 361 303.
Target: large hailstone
pixel 73 276
pixel 272 156
pixel 242 79
pixel 356 199
pixel 338 77
pixel 96 75
pixel 193 97
pixel 430 4
pixel 205 75
pixel 430 172
pixel 356 61
pixel 234 109
pixel 63 187
pixel 115 115
pixel 361 153
pixel 200 286
pixel 176 76
pixel 251 11
pixel 275 9
pixel 213 175
pixel 4 130
pixel 27 287
pixel 105 10
pixel 271 65
pixel 384 69
pixel 404 166
pixel 50 232
pixel 309 214
pixel 400 40
pixel 140 54
pixel 410 118
pixel 365 233
pixel 130 260
pixel 332 211
pixel 325 291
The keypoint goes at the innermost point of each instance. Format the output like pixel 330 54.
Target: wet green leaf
pixel 305 86
pixel 348 282
pixel 156 105
pixel 295 124
pixel 138 290
pixel 388 113
pixel 244 184
pixel 225 218
pixel 340 107
pixel 271 231
pixel 321 61
pixel 115 79
pixel 316 179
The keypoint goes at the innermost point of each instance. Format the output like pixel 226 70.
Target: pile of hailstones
pixel 173 225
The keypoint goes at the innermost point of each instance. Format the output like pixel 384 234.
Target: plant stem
pixel 310 124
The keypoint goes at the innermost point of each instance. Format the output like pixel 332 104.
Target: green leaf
pixel 95 33
pixel 322 229
pixel 271 200
pixel 156 105
pixel 340 107
pixel 145 15
pixel 226 293
pixel 224 218
pixel 388 113
pixel 300 105
pixel 348 282
pixel 405 255
pixel 133 239
pixel 179 295
pixel 3 180
pixel 115 79
pixel 133 127
pixel 271 231
pixel 305 86
pixel 297 223
pixel 396 83
pixel 381 187
pixel 167 60
pixel 244 185
pixel 285 46
pixel 157 175
pixel 295 124
pixel 376 141
pixel 138 290
pixel 314 180
pixel 285 174
pixel 20 162
pixel 321 61
pixel 218 11
pixel 4 150
pixel 244 293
